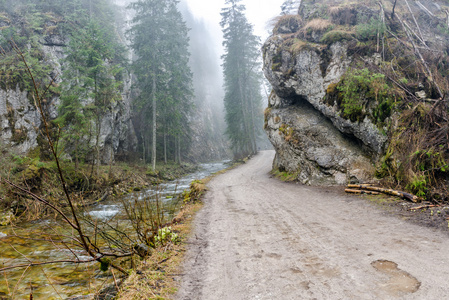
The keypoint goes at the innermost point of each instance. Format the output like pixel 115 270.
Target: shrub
pixel 360 88
pixel 368 31
pixel 336 35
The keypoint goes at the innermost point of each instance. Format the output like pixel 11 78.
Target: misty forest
pixel 104 102
pixel 116 114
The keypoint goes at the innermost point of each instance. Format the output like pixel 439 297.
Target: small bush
pixel 368 31
pixel 360 88
pixel 418 186
pixel 197 188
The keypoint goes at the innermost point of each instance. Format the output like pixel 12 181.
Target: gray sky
pixel 258 12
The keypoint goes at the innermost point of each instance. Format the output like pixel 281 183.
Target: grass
pixel 156 276
pixel 317 25
pixel 85 186
pixel 290 21
pixel 284 176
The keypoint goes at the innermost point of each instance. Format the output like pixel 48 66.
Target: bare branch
pixel 32 264
pixel 43 201
pixel 429 73
pixel 414 19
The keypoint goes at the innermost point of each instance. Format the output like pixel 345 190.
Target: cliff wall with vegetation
pixel 47 34
pixel 360 92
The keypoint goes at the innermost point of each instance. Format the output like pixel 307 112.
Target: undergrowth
pixel 86 184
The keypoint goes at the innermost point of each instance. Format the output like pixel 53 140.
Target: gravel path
pixel 259 238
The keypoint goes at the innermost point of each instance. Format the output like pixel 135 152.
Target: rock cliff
pixel 343 77
pixel 21 122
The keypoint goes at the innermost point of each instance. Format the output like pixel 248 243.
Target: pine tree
pixel 159 40
pixel 242 79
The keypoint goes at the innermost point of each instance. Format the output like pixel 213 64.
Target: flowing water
pixel 66 280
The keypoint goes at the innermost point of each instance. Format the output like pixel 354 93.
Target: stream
pixel 67 280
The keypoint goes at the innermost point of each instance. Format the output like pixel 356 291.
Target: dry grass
pixel 318 25
pixel 155 277
pixel 284 18
pixel 334 10
pixel 289 21
pixel 297 46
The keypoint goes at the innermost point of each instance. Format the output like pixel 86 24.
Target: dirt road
pixel 259 238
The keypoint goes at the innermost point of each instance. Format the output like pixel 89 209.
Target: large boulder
pixel 345 77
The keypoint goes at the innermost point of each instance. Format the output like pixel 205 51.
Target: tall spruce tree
pixel 241 79
pixel 160 43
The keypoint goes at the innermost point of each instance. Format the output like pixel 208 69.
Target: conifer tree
pixel 241 79
pixel 159 40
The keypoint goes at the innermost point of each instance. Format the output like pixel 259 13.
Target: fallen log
pixel 400 194
pixel 351 191
pixel 423 206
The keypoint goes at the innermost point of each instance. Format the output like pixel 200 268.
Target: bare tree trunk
pixel 253 126
pixel 154 122
pixel 143 146
pixel 176 149
pixel 447 18
pixel 179 148
pixel 414 19
pixel 244 111
pixel 76 154
pixel 97 143
pixel 165 145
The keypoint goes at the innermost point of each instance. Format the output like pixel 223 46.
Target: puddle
pixel 399 281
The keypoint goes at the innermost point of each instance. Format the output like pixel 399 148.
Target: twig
pixel 429 73
pixel 115 280
pixel 32 264
pixel 43 201
pixel 414 19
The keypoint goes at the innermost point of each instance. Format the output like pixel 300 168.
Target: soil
pixel 260 238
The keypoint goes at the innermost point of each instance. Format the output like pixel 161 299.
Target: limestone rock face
pixel 307 75
pixel 311 139
pixel 309 134
pixel 309 145
pixel 327 117
pixel 20 120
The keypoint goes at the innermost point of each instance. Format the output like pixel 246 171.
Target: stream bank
pixel 66 280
